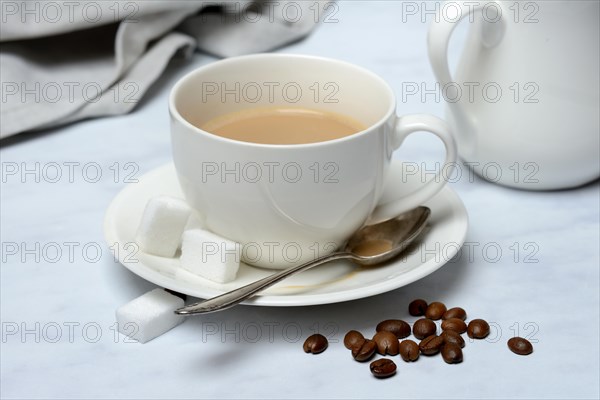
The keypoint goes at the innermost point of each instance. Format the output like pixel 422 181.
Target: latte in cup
pixel 283 125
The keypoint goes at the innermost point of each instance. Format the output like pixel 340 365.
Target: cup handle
pixel 405 126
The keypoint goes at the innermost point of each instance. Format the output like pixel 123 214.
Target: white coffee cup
pixel 287 204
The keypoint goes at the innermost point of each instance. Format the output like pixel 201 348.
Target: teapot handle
pixel 438 38
pixel 441 30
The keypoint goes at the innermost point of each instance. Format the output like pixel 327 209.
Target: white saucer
pixel 335 282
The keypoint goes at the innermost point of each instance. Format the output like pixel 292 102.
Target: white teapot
pixel 524 101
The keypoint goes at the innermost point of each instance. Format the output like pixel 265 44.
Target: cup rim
pixel 181 81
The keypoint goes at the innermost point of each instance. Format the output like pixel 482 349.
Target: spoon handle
pixel 238 295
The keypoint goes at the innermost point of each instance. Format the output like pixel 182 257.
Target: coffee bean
pixel 451 353
pixel 409 350
pixel 424 327
pixel 478 329
pixel 315 344
pixel 455 312
pixel 435 310
pixel 353 338
pixel 383 368
pixel 454 324
pixel 398 327
pixel 387 343
pixel 431 345
pixel 453 337
pixel 364 351
pixel 520 346
pixel 417 307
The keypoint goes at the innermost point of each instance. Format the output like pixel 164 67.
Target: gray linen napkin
pixel 63 61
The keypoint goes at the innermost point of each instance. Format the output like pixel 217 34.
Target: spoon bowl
pixel 375 244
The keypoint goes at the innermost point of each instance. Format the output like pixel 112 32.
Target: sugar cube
pixel 149 315
pixel 162 225
pixel 210 256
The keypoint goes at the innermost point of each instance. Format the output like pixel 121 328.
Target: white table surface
pixel 553 299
